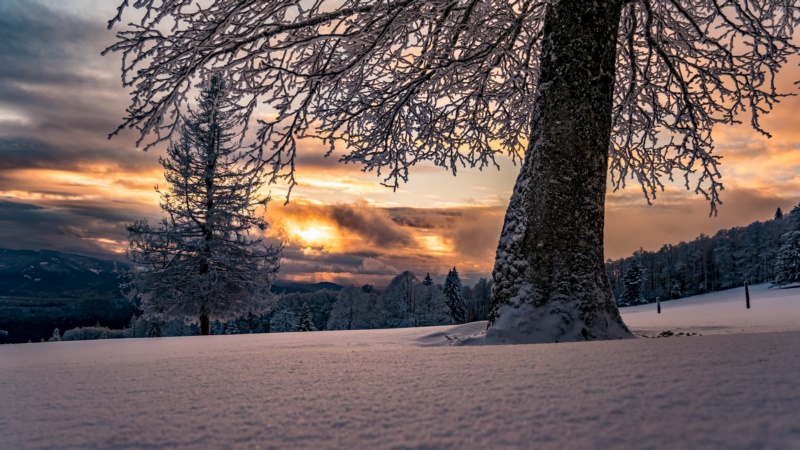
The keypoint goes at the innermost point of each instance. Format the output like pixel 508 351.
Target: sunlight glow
pixel 314 236
pixel 435 244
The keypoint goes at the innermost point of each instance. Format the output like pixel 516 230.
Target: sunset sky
pixel 65 186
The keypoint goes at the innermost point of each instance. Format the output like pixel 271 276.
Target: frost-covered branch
pixel 684 67
pixel 397 82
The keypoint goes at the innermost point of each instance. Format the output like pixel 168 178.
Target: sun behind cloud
pixel 312 235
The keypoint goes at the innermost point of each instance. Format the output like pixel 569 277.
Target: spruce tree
pixel 56 337
pixel 153 329
pixel 778 214
pixel 632 282
pixel 202 261
pixel 787 266
pixel 304 321
pixel 454 297
pixel 427 281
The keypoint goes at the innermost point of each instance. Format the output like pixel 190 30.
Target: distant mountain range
pixel 52 274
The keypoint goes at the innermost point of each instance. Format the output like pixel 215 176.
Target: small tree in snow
pixel 431 306
pixel 397 304
pixel 202 262
pixel 56 337
pixel 633 281
pixel 304 322
pixel 353 310
pixel 283 319
pixel 428 281
pixel 153 328
pixel 454 298
pixel 787 267
pixel 676 290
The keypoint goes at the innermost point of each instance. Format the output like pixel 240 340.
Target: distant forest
pixel 708 263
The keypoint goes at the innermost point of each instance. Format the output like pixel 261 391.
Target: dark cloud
pixel 370 223
pixel 26 226
pixel 59 99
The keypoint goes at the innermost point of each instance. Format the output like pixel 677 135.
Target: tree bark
pixel 550 279
pixel 205 326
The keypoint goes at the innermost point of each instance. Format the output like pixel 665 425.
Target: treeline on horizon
pixel 406 302
pixel 706 264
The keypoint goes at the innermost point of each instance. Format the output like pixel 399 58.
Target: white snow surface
pixel 734 386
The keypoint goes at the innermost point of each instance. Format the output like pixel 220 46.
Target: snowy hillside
pixel 397 389
pixel 47 274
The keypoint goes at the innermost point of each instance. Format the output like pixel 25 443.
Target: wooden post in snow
pixel 658 304
pixel 747 294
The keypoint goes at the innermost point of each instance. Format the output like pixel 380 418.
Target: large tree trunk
pixel 205 325
pixel 550 280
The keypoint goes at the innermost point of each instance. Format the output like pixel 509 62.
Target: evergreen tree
pixel 353 309
pixel 304 321
pixel 633 281
pixel 231 327
pixel 431 306
pixel 283 320
pixel 454 298
pixel 787 266
pixel 675 292
pixel 778 214
pixel 397 303
pixel 56 336
pixel 428 281
pixel 202 261
pixel 153 328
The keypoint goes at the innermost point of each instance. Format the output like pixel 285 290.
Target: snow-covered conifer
pixel 778 214
pixel 675 292
pixel 206 259
pixel 633 282
pixel 353 310
pixel 454 297
pixel 397 303
pixel 787 266
pixel 153 328
pixel 431 306
pixel 56 337
pixel 283 319
pixel 304 322
pixel 428 281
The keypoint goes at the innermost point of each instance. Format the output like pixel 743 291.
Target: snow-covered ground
pixel 722 312
pixel 397 389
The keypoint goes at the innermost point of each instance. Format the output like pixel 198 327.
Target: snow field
pixel 720 312
pixel 397 389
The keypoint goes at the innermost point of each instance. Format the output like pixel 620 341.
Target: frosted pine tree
pixel 354 309
pixel 153 328
pixel 633 280
pixel 787 267
pixel 431 306
pixel 397 304
pixel 454 298
pixel 304 322
pixel 574 90
pixel 206 260
pixel 283 320
pixel 56 336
